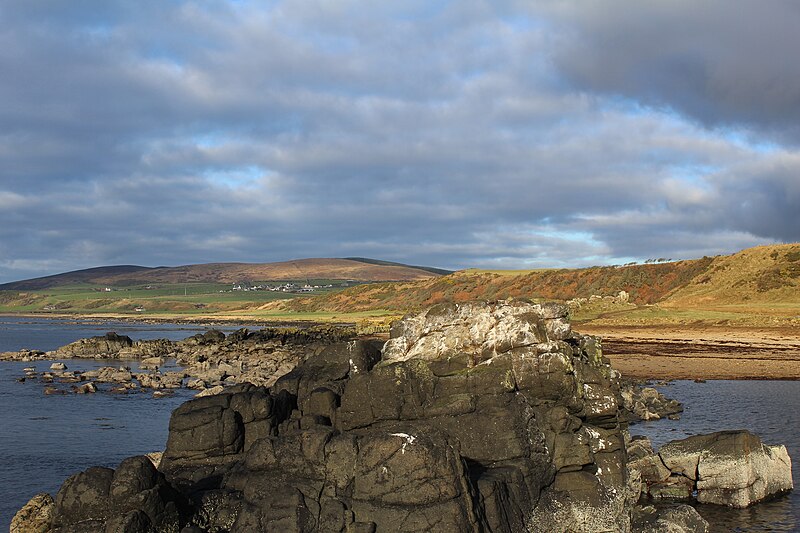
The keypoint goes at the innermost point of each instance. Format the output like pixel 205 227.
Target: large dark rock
pixel 481 417
pixel 108 345
pixel 134 497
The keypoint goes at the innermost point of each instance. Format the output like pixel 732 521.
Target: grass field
pixel 184 298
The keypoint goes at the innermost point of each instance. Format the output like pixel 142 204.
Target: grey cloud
pixel 193 132
pixel 720 63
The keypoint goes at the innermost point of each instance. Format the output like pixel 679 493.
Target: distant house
pixel 138 309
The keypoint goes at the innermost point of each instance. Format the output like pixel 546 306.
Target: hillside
pixel 763 280
pixel 339 269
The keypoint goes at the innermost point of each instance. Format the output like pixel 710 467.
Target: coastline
pixel 700 352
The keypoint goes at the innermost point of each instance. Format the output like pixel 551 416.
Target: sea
pixel 46 438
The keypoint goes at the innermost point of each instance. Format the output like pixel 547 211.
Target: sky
pixel 456 134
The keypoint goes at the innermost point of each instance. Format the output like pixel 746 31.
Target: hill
pixel 762 281
pixel 361 270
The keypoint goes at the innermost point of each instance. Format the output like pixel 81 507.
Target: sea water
pixel 46 438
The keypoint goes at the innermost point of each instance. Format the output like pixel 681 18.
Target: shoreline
pixel 652 352
pixel 177 319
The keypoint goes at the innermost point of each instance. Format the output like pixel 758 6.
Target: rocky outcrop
pixel 732 468
pixel 108 345
pixel 477 417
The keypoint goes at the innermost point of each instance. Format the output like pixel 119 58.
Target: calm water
pixel 770 409
pixel 45 439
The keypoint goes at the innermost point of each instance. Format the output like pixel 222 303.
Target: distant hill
pixel 72 278
pixel 437 271
pixel 756 277
pixel 341 269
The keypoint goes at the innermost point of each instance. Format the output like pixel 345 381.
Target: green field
pixel 184 298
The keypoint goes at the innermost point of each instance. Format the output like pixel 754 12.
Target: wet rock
pixel 35 516
pixel 86 388
pixel 197 384
pixel 152 363
pixel 210 392
pixel 108 374
pixel 58 366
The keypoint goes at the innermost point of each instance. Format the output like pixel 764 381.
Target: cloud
pixel 723 65
pixel 467 134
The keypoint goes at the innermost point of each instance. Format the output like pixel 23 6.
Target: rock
pixel 35 516
pixel 58 366
pixel 152 363
pixel 675 518
pixel 134 497
pixel 646 403
pixel 86 388
pixel 647 465
pixel 197 384
pixel 732 468
pixel 108 345
pixel 210 392
pixel 451 441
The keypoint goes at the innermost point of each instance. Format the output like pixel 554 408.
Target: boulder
pixel 647 403
pixel 134 497
pixel 732 468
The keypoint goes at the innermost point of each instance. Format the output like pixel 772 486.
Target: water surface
pixel 770 409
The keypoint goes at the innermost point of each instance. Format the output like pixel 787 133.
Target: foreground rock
pixel 477 417
pixel 132 498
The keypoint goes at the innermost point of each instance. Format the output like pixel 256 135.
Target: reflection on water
pixel 766 408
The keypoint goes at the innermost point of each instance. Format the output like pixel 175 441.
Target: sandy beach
pixel 701 352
